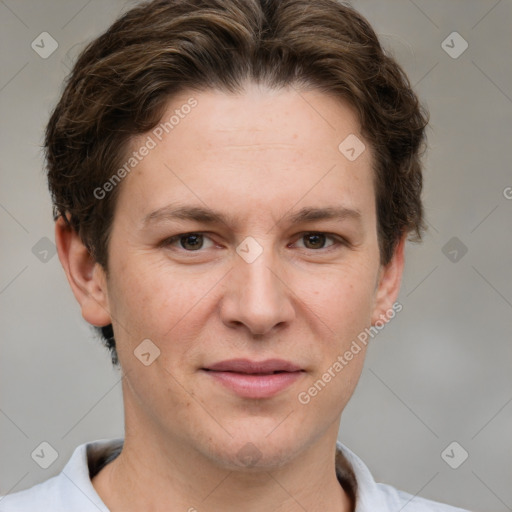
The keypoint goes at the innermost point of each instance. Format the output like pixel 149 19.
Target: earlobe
pixel 86 277
pixel 390 278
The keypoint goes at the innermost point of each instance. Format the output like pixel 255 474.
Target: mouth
pixel 266 367
pixel 254 379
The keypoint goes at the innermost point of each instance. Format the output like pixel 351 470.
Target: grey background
pixel 439 372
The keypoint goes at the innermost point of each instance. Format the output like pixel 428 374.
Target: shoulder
pixel 70 490
pixel 39 497
pixel 396 500
pixel 373 496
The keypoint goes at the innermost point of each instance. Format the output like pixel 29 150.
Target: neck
pixel 155 475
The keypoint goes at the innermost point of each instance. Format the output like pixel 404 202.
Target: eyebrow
pixel 209 216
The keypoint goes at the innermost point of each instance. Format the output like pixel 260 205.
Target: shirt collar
pixel 87 459
pixel 368 497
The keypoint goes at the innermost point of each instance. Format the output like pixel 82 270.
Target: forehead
pixel 272 148
pixel 260 118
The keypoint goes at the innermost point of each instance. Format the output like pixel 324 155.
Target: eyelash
pixel 337 240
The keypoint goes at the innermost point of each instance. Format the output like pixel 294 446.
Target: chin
pixel 252 453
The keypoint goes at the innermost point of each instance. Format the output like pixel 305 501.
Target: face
pixel 245 243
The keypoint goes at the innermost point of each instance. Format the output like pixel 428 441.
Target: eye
pixel 191 242
pixel 317 240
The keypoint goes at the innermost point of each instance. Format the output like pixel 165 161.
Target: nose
pixel 257 296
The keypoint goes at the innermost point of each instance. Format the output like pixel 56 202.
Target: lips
pixel 269 366
pixel 254 379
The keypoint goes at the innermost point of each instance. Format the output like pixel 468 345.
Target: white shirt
pixel 72 491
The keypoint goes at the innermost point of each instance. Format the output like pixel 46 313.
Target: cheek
pixel 152 301
pixel 344 308
pixel 168 306
pixel 343 298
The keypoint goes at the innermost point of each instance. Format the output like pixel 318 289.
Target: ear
pixel 388 285
pixel 86 277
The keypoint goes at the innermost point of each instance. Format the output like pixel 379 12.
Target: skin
pixel 255 157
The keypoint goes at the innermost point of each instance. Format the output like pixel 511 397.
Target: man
pixel 234 182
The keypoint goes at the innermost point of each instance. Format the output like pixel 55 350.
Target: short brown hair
pixel 123 80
